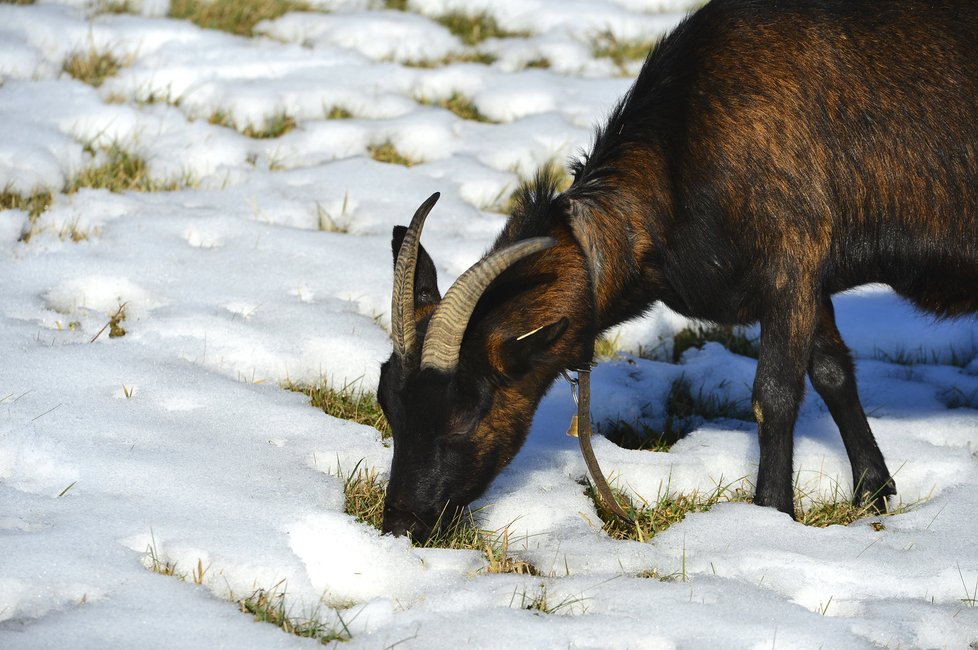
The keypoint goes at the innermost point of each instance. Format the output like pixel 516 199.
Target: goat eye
pixel 461 424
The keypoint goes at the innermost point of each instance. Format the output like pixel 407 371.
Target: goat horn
pixel 403 326
pixel 444 339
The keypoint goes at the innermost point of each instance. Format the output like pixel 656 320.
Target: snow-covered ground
pixel 275 265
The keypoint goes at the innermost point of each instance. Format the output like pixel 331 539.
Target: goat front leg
pixel 834 379
pixel 787 330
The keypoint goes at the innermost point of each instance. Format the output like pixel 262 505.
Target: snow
pixel 177 440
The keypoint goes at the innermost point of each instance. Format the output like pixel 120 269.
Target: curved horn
pixel 403 326
pixel 447 327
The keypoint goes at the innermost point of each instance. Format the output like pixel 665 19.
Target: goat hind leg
pixel 833 378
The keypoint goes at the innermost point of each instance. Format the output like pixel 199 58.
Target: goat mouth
pixel 401 523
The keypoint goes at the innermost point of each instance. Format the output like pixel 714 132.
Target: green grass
pixel 668 508
pixel 958 357
pixel 728 336
pixel 34 204
pixel 365 491
pixel 683 405
pixel 386 152
pixel 338 113
pixel 116 7
pixel 274 126
pixel 338 223
pixel 233 16
pixel 468 56
pixel 396 5
pixel 653 517
pixel 640 435
pixel 837 508
pixel 122 171
pixel 92 66
pixel 540 602
pixel 620 51
pixel 268 606
pixel 606 347
pixel 473 29
pixel 539 63
pixel 118 171
pixel 684 410
pixel 955 398
pixel 346 403
pixel 458 104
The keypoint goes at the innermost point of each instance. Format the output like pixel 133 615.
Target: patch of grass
pixel 222 118
pixel 541 62
pixel 496 551
pixel 386 152
pixel 346 403
pixel 158 565
pixel 540 602
pixel 641 436
pixel 122 171
pixel 114 325
pixel 728 336
pixel 268 606
pixel 606 347
pixel 396 5
pixel 92 66
pixel 683 405
pixel 473 29
pixel 338 113
pixel 684 411
pixel 233 16
pixel 265 605
pixel 958 357
pixel 458 104
pixel 339 223
pixel 837 509
pixel 955 398
pixel 274 126
pixel 468 56
pixel 17 2
pixel 34 204
pixel 115 7
pixel 365 492
pixel 652 518
pixel 620 51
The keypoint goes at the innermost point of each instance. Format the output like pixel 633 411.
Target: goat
pixel 769 154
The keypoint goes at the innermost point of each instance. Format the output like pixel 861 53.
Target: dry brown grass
pixel 458 104
pixel 123 171
pixel 346 403
pixel 233 16
pixel 92 66
pixel 386 152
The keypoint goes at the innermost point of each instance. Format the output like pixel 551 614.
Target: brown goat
pixel 770 154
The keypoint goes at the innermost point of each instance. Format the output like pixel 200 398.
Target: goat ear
pixel 425 277
pixel 518 355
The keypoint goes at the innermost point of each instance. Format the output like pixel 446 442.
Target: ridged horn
pixel 444 339
pixel 403 326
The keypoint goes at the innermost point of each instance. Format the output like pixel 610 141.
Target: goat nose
pixel 403 522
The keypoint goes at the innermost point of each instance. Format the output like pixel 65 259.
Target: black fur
pixel 770 154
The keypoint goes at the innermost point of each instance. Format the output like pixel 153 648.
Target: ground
pixel 196 213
